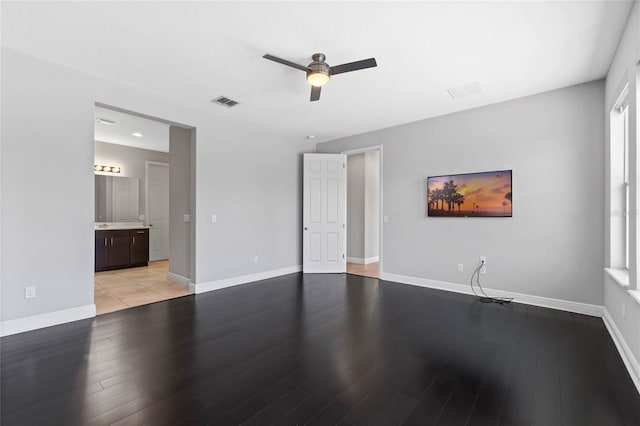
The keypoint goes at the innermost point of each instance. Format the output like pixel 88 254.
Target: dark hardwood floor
pixel 321 350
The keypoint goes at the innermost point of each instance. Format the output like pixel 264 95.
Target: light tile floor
pixel 125 288
pixel 371 270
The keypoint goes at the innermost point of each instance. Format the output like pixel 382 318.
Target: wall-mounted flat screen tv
pixel 484 194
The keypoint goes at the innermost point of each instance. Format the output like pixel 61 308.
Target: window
pixel 625 142
pixel 620 179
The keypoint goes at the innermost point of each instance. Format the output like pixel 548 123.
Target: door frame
pixel 147 163
pixel 381 210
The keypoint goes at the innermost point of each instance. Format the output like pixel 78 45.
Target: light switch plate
pixel 29 292
pixel 187 218
pixel 214 219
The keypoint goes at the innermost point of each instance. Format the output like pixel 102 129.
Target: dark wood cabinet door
pixel 139 246
pixel 102 250
pixel 119 248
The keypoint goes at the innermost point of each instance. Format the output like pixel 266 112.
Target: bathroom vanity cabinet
pixel 121 248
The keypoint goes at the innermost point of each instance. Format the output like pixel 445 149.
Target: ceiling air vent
pixel 224 101
pixel 465 90
pixel 105 121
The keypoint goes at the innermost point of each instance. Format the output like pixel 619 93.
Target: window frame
pixel 620 179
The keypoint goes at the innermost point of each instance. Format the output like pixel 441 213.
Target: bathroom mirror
pixel 117 199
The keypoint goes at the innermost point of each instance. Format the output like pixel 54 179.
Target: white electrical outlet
pixel 29 292
pixel 460 267
pixel 483 262
pixel 186 218
pixel 214 218
pixel 385 219
pixel 255 259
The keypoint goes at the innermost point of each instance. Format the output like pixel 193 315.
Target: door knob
pixel 305 228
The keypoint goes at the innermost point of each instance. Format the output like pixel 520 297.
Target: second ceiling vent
pixel 224 101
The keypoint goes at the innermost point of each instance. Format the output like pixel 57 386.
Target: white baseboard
pixel 545 302
pixel 363 261
pixel 626 354
pixel 34 322
pixel 243 279
pixel 178 279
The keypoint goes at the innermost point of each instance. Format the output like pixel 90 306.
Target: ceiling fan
pixel 319 72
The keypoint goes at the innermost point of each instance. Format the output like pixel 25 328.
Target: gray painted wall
pixel 553 245
pixel 624 309
pixel 131 161
pixel 363 200
pixel 372 204
pixel 51 164
pixel 355 205
pixel 179 201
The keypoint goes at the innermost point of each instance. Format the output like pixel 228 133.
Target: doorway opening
pixel 364 201
pixel 144 243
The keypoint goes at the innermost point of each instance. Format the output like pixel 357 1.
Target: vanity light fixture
pixel 136 134
pixel 110 169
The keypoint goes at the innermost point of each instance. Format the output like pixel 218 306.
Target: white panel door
pixel 323 214
pixel 126 198
pixel 158 210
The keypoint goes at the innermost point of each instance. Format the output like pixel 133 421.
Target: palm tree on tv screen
pixel 458 199
pixel 449 190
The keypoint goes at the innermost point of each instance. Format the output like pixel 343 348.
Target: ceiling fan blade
pixel 315 93
pixel 353 66
pixel 285 62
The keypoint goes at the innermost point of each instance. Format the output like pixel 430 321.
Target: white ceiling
pixel 196 51
pixel 155 134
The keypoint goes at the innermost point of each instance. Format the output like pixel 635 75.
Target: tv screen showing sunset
pixel 486 194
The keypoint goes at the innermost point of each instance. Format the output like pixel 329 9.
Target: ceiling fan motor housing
pixel 318 66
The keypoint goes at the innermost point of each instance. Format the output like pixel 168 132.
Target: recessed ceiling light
pixel 311 137
pixel 105 121
pixel 137 134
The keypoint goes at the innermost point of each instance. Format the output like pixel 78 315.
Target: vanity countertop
pixel 118 226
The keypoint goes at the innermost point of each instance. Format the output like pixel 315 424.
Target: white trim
pixel 363 261
pixel 630 361
pixel 361 150
pixel 242 279
pixel 621 276
pixel 178 279
pixel 635 295
pixel 545 302
pixel 34 322
pixel 381 214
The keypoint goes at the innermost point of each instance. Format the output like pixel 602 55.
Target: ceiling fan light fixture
pixel 318 71
pixel 317 79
